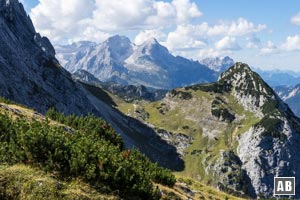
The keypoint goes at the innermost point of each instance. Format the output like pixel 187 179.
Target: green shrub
pixel 91 151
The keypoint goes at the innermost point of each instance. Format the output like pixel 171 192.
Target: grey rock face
pixel 272 146
pixel 232 178
pixel 149 64
pixel 180 141
pixel 267 157
pixel 29 71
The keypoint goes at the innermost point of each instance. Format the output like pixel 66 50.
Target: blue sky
pixel 262 33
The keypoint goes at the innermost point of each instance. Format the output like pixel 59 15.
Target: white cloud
pixel 227 43
pixel 64 19
pixel 146 34
pixel 115 15
pixel 185 10
pixel 61 19
pixel 90 34
pixel 212 53
pixel 292 43
pixel 269 48
pixel 240 27
pixel 191 36
pixel 185 37
pixel 296 19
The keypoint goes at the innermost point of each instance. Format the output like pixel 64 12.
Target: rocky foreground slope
pixel 235 134
pixel 29 72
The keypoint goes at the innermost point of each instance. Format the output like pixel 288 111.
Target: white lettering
pixel 280 187
pixel 288 186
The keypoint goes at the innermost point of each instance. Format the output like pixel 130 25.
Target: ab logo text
pixel 284 186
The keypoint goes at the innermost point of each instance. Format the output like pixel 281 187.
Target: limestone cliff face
pixel 29 71
pixel 266 157
pixel 271 147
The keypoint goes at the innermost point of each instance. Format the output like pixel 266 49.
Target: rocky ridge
pixel 274 141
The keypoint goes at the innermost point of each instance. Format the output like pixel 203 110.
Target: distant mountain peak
pixel 153 49
pixel 152 43
pixel 117 39
pixel 218 64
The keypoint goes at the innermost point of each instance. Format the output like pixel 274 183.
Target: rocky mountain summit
pixel 250 90
pixel 270 147
pixel 149 64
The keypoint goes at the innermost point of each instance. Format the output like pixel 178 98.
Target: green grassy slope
pixel 25 182
pixel 190 111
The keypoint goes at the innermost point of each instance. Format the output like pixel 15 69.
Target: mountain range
pixel 149 64
pixel 232 132
pixel 279 77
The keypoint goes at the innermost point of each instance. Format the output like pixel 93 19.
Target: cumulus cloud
pixel 240 27
pixel 227 43
pixel 292 43
pixel 269 48
pixel 296 19
pixel 185 37
pixel 63 19
pixel 190 36
pixel 185 10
